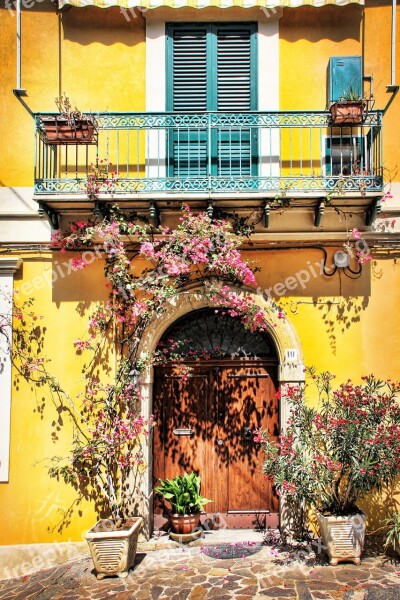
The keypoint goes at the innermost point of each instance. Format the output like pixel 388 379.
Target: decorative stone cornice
pixel 10 265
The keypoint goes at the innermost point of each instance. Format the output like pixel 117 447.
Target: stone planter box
pixel 343 537
pixel 113 550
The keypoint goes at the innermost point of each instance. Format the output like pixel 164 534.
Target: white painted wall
pixel 8 266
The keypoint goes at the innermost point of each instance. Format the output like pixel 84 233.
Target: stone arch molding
pixel 291 367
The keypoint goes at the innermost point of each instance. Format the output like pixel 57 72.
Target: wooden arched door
pixel 205 420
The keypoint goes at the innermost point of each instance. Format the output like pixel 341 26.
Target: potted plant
pixel 105 457
pixel 349 109
pixel 69 127
pixel 334 455
pixel 183 494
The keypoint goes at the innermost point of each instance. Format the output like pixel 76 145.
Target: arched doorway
pixel 206 417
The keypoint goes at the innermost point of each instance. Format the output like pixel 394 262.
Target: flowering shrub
pixel 109 429
pixel 332 456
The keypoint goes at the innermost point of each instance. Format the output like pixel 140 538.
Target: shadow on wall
pixel 70 283
pixel 105 26
pixel 336 23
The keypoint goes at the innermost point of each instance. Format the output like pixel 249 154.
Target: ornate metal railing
pixel 272 153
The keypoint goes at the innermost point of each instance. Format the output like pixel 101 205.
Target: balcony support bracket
pixel 319 211
pixel 154 214
pixel 373 211
pixel 100 209
pixel 51 215
pixel 267 210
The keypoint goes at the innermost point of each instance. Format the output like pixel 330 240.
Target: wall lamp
pixel 341 261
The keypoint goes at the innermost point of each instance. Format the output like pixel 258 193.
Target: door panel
pixel 217 403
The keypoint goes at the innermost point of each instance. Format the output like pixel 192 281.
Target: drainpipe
pixel 19 91
pixel 393 87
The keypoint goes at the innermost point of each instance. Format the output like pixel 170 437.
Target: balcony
pixel 216 156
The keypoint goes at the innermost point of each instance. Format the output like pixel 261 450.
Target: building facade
pixel 230 108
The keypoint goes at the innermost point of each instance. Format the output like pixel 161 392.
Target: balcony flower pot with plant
pixel 334 455
pixel 349 109
pixel 69 127
pixel 183 494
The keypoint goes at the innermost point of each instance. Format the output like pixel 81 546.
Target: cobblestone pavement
pixel 200 573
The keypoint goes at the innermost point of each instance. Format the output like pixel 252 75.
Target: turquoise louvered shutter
pixel 236 91
pixel 211 67
pixel 188 89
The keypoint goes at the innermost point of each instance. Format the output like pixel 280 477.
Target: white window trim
pixel 8 267
pixel 268 86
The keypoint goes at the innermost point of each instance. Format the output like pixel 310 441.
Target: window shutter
pixel 190 70
pixel 189 94
pixel 234 70
pixel 234 93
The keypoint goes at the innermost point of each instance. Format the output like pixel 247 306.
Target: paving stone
pixel 249 590
pixel 275 592
pixel 359 574
pixel 375 593
pixel 322 585
pixel 218 572
pixel 197 593
pixel 303 591
pixel 249 581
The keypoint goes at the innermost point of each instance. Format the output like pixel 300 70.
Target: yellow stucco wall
pixel 98 58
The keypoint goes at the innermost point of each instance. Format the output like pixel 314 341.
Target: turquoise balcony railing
pixel 266 153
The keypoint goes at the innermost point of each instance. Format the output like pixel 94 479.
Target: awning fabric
pixel 149 4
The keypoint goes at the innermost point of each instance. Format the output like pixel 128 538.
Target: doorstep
pixel 161 540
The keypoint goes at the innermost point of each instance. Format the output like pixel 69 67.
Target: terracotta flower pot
pixel 58 130
pixel 185 523
pixel 347 112
pixel 343 536
pixel 113 550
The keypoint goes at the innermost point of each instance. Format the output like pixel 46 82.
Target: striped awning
pixel 150 4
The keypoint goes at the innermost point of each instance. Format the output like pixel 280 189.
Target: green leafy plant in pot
pixel 183 494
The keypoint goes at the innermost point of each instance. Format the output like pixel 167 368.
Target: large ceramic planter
pixel 184 523
pixel 343 537
pixel 113 551
pixel 58 130
pixel 347 112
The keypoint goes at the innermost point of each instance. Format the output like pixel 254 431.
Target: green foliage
pixel 351 94
pixel 183 493
pixel 393 532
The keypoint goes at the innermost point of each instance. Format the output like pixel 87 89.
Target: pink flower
pixel 78 263
pixel 356 234
pixel 363 258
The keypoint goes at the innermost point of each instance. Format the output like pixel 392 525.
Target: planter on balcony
pixel 59 130
pixel 347 112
